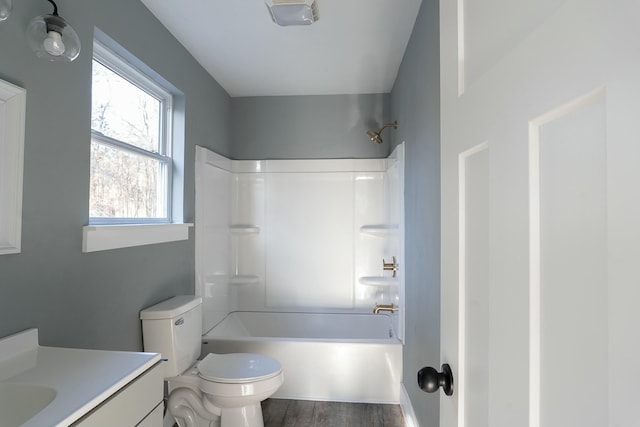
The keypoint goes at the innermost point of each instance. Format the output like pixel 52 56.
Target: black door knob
pixel 430 380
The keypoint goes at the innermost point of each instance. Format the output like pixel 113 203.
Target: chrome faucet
pixel 384 307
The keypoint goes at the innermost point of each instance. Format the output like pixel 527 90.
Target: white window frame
pixel 119 66
pixel 112 233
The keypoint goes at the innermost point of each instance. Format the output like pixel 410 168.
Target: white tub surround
pixel 68 386
pixel 299 235
pixel 315 326
pixel 337 357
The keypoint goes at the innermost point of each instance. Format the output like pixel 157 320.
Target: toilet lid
pixel 238 367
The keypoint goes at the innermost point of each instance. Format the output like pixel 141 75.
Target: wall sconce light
pixel 5 9
pixel 51 38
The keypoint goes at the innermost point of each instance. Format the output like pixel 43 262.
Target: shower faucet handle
pixel 390 266
pixel 384 307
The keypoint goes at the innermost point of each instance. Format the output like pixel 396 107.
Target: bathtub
pixel 332 357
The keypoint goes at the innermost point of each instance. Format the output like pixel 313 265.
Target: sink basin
pixel 44 386
pixel 20 402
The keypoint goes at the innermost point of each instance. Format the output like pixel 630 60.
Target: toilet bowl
pixel 222 390
pixel 230 386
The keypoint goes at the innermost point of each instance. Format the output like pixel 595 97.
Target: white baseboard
pixel 410 418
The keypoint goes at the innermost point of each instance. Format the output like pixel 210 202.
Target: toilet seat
pixel 237 368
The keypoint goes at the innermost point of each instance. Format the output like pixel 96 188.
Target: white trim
pixel 325 165
pixel 461 51
pixel 397 156
pixel 410 418
pixel 534 274
pixel 105 237
pixel 535 249
pixel 119 66
pixel 204 155
pixel 462 277
pixel 13 101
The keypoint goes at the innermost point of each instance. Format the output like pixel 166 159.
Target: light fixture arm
pixel 375 136
pixel 55 7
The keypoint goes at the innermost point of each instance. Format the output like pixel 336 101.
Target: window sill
pixel 104 237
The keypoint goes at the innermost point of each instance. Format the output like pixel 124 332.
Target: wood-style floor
pixel 306 413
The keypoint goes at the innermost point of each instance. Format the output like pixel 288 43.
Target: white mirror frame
pixel 12 120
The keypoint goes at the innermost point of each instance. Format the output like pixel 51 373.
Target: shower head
pixel 375 136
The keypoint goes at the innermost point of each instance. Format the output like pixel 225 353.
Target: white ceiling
pixel 355 47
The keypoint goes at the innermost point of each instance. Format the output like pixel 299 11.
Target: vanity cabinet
pixel 138 403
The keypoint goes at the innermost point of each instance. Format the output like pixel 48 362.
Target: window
pixel 131 151
pixel 137 154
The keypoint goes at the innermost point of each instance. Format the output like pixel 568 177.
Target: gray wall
pixel 92 300
pixel 309 127
pixel 334 126
pixel 415 101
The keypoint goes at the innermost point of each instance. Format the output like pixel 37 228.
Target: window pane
pixel 125 184
pixel 122 111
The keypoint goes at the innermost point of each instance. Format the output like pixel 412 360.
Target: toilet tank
pixel 173 328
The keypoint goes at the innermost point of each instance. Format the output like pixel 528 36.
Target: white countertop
pixel 81 378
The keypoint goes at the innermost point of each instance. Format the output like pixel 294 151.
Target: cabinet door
pixel 131 404
pixel 154 419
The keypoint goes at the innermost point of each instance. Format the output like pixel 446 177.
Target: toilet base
pixel 197 402
pixel 245 416
pixel 191 410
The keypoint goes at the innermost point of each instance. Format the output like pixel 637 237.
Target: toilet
pixel 221 389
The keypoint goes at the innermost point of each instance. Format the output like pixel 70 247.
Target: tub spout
pixel 384 307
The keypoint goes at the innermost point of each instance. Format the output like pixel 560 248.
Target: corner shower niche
pixel 298 235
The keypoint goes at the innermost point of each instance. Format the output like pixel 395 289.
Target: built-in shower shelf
pixel 379 229
pixel 379 281
pixel 244 229
pixel 215 279
pixel 248 279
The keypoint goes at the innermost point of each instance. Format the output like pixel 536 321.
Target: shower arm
pixel 375 136
pixel 388 125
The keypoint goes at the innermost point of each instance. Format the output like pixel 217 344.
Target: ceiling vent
pixel 293 12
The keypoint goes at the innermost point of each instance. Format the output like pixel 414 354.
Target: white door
pixel 541 212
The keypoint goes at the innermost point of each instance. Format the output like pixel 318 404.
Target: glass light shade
pixel 296 14
pixel 5 9
pixel 51 38
pixel 285 13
